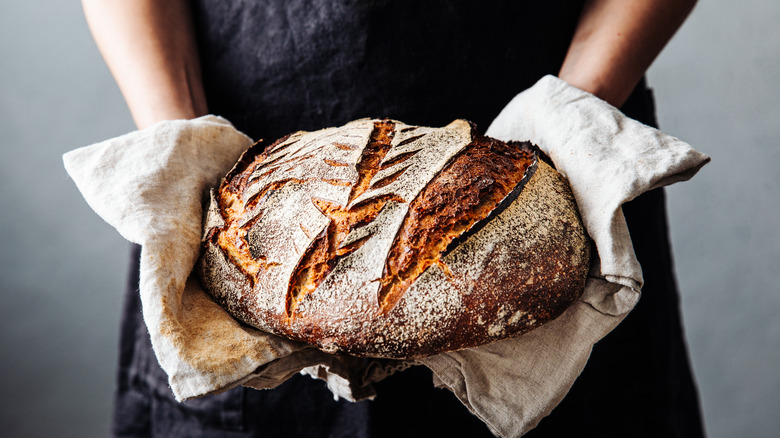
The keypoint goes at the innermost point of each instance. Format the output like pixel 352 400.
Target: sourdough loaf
pixel 383 239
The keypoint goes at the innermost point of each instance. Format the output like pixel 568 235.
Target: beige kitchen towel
pixel 608 160
pixel 149 185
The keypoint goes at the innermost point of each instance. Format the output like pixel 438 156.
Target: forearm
pixel 150 48
pixel 616 41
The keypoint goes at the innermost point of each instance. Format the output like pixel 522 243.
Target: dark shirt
pixel 273 67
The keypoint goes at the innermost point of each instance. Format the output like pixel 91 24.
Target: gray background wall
pixel 62 270
pixel 717 88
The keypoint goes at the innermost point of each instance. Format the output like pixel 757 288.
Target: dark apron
pixel 277 66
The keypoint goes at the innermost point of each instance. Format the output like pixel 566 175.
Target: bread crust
pixel 382 239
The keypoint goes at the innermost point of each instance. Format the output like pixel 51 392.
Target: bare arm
pixel 150 48
pixel 616 41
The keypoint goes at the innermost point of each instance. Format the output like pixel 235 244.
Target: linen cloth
pixel 149 185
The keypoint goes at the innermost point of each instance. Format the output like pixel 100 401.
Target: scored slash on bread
pixel 383 239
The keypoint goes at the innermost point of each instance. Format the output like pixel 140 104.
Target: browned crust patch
pixel 463 194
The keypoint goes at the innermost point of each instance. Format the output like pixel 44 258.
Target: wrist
pixel 165 95
pixel 613 90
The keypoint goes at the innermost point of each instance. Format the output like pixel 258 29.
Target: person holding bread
pixel 272 67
